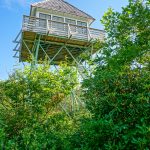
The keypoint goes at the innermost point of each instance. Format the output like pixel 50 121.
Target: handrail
pixel 36 18
pixel 31 23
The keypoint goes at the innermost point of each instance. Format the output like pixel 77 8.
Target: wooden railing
pixel 45 26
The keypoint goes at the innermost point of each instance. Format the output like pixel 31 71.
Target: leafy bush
pixel 121 110
pixel 118 93
pixel 30 114
pixel 116 96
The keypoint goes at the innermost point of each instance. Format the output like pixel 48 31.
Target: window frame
pixel 82 22
pixel 58 17
pixel 47 16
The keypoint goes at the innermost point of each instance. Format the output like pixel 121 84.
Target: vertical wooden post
pixel 35 53
pixel 47 25
pixel 37 49
pixel 89 35
pixel 69 31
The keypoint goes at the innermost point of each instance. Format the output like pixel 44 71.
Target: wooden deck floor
pixel 51 44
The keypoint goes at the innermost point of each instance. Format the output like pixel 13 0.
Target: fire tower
pixel 57 30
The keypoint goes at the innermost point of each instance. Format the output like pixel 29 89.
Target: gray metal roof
pixel 61 6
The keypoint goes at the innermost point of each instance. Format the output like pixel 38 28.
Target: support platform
pixel 50 45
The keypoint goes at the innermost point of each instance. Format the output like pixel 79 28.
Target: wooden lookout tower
pixel 57 30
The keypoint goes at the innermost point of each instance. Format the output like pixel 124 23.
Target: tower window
pixel 80 23
pixel 70 21
pixel 56 18
pixel 45 16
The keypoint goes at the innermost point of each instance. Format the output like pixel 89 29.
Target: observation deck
pixel 51 36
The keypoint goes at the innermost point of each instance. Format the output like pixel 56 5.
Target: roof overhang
pixel 51 11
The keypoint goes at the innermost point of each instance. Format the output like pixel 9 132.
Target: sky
pixel 11 12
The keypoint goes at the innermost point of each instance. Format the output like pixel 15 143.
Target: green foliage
pixel 30 107
pixel 121 109
pixel 49 135
pixel 118 93
pixel 127 35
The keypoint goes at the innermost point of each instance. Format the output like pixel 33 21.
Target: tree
pixel 30 116
pixel 118 93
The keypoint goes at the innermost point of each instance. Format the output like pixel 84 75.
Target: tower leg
pixel 35 53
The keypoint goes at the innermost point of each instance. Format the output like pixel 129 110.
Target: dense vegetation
pixel 116 96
